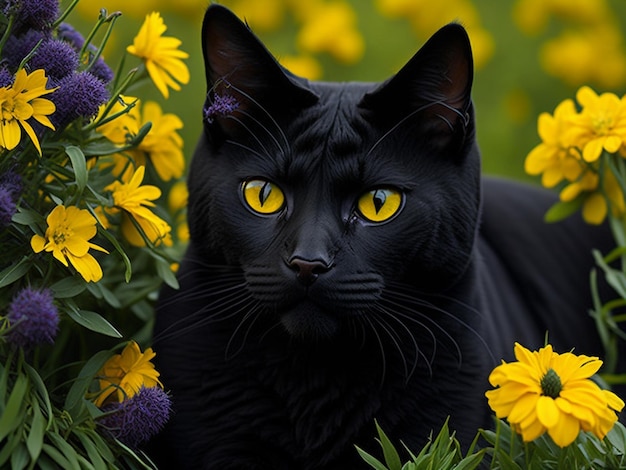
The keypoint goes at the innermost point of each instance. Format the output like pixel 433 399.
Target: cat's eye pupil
pixel 379 204
pixel 378 198
pixel 264 193
pixel 262 196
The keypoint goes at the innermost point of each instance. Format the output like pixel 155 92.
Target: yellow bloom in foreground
pixel 160 54
pixel 124 374
pixel 67 237
pixel 545 391
pixel 601 125
pixel 19 103
pixel 135 200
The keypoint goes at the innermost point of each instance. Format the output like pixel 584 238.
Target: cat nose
pixel 307 271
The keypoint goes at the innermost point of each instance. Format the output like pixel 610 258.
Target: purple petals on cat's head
pixel 222 105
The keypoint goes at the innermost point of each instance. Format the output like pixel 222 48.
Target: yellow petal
pixel 565 431
pixel 547 411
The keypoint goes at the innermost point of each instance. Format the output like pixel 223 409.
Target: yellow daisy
pixel 19 103
pixel 160 54
pixel 545 391
pixel 135 200
pixel 554 158
pixel 124 374
pixel 67 237
pixel 601 125
pixel 162 146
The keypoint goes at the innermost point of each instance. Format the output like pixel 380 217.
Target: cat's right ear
pixel 243 79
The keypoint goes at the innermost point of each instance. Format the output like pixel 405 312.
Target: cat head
pixel 326 194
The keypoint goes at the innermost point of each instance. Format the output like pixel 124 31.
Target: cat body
pixel 348 263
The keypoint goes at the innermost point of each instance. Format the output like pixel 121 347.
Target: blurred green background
pixel 530 54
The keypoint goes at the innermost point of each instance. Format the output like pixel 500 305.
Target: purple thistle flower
pixel 79 94
pixel 221 106
pixel 6 77
pixel 34 318
pixel 7 206
pixel 18 47
pixel 57 58
pixel 137 419
pixel 100 68
pixel 37 14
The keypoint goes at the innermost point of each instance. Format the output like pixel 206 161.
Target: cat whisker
pixel 269 115
pixel 251 310
pixel 396 340
pixel 218 310
pixel 381 347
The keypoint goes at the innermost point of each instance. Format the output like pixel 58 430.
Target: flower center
pixel 602 124
pixel 60 235
pixel 551 384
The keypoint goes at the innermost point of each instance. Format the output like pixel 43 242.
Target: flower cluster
pixel 87 234
pixel 584 150
pixel 548 392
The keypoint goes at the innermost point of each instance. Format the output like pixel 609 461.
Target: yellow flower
pixel 163 146
pixel 67 237
pixel 124 374
pixel 553 157
pixel 545 391
pixel 332 28
pixel 19 103
pixel 160 54
pixel 601 124
pixel 134 200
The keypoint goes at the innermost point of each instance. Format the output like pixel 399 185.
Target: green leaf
pixel 14 272
pixel 92 450
pixel 57 456
pixel 562 210
pixel 34 441
pixel 19 457
pixel 27 217
pixel 79 388
pixel 79 163
pixel 372 461
pixel 42 391
pixel 165 272
pixel 120 250
pixel 68 287
pixel 13 414
pixel 93 321
pixel 392 459
pixel 68 451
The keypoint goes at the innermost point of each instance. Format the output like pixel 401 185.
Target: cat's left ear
pixel 432 92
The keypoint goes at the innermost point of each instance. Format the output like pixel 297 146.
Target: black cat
pixel 347 263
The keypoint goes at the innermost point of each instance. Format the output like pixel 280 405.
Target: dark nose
pixel 308 271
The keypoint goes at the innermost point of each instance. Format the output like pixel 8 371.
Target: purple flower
pixel 37 14
pixel 79 95
pixel 137 419
pixel 221 106
pixel 100 69
pixel 33 317
pixel 18 47
pixel 7 207
pixel 57 58
pixel 6 77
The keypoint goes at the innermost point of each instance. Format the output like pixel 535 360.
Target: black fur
pixel 270 368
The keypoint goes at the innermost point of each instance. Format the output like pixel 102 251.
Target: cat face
pixel 326 193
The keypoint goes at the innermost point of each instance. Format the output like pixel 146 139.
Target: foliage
pixel 87 238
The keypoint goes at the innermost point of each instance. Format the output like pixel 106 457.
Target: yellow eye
pixel 379 205
pixel 262 196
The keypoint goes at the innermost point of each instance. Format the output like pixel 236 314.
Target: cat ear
pixel 434 87
pixel 242 75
